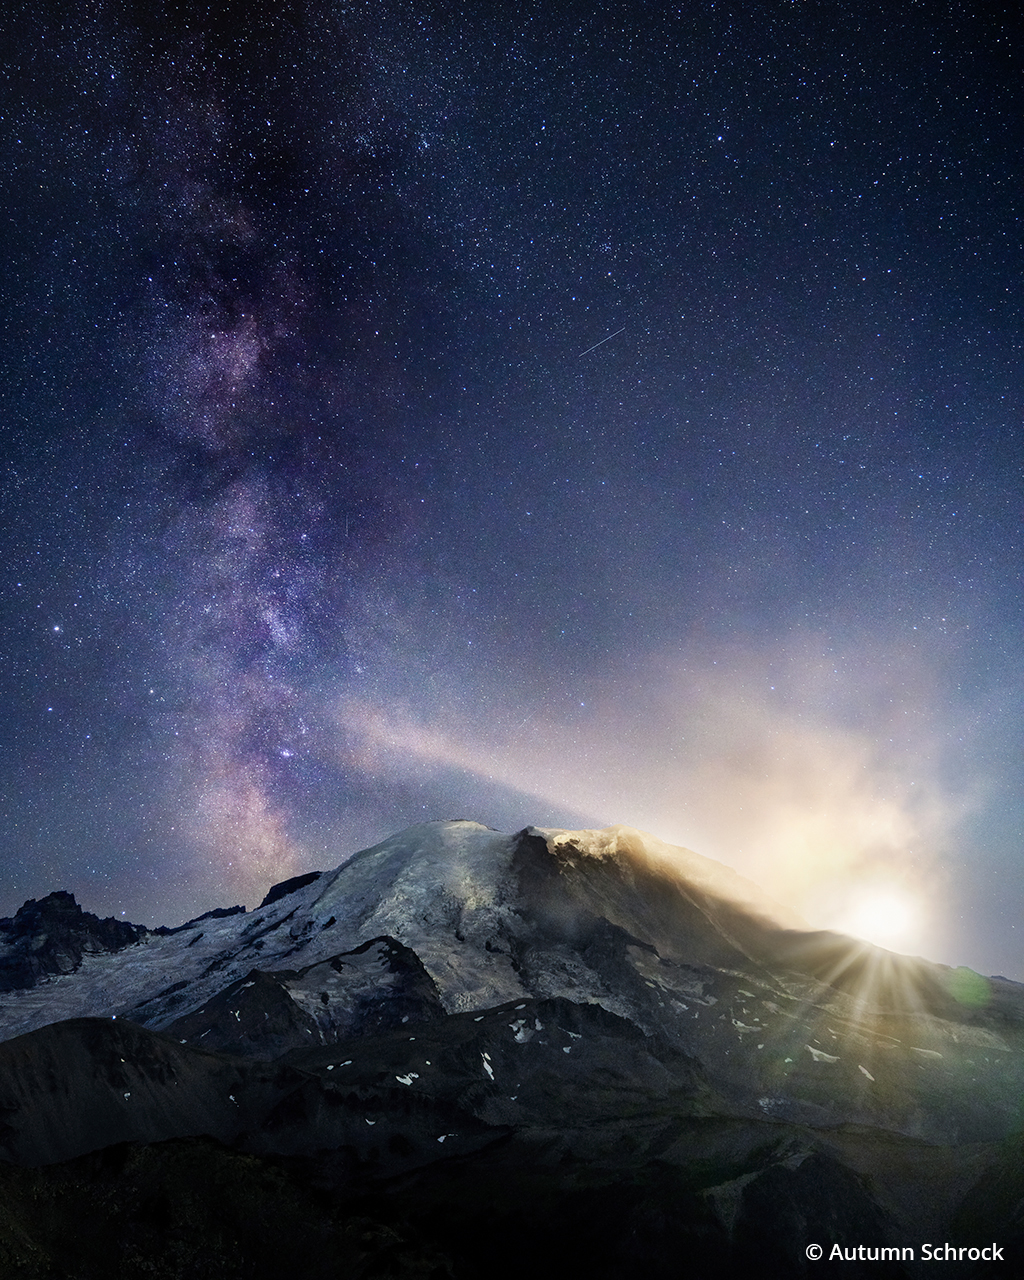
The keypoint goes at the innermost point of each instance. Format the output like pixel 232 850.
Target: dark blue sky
pixel 320 518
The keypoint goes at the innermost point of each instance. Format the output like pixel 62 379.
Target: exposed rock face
pixel 626 1040
pixel 285 887
pixel 52 935
pixel 376 987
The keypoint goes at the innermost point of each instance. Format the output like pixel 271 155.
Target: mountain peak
pixel 51 935
pixel 694 869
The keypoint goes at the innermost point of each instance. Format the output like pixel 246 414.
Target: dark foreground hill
pixel 468 1054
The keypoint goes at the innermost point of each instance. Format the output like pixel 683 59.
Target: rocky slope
pixel 582 1032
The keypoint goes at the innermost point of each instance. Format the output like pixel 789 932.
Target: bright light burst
pixel 883 914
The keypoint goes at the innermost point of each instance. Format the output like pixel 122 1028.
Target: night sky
pixel 563 414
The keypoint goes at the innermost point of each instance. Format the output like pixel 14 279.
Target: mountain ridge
pixel 570 1014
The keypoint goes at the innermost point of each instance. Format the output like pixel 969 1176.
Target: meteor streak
pixel 603 340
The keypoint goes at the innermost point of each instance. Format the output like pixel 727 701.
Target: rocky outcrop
pixel 374 988
pixel 285 887
pixel 51 935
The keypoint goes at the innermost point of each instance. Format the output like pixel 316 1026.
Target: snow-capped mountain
pixel 470 902
pixel 638 1006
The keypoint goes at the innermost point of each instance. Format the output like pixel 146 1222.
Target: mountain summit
pixel 566 1018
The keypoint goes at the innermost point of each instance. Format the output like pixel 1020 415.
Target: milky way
pixel 568 418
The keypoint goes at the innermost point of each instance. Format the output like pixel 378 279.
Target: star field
pixel 561 415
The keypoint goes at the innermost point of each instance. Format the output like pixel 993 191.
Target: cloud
pixel 817 775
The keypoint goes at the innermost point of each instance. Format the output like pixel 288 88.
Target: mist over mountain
pixel 464 1053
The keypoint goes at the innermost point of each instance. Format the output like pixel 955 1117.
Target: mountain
pixel 464 1053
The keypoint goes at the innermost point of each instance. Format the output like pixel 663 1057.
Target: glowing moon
pixel 885 915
